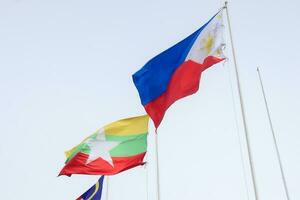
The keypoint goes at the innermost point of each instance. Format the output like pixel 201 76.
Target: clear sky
pixel 65 70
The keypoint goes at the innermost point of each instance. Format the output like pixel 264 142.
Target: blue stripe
pixel 153 78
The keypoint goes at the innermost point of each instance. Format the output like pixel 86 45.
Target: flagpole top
pixel 225 4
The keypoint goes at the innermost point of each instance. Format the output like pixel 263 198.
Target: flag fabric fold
pixel 112 149
pixel 176 72
pixel 95 192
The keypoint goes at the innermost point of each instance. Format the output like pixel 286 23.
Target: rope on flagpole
pixel 238 131
pixel 235 113
pixel 107 187
pixel 242 107
pixel 157 166
pixel 147 177
pixel 274 137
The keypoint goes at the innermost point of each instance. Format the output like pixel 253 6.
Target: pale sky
pixel 65 71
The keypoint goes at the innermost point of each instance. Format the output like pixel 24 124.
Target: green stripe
pixel 83 147
pixel 129 146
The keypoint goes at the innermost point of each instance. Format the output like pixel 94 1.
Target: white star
pixel 100 147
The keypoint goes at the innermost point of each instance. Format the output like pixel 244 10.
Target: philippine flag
pixel 175 73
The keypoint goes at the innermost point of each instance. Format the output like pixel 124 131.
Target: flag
pixel 175 73
pixel 95 192
pixel 112 149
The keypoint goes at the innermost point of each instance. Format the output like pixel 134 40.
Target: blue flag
pixel 95 192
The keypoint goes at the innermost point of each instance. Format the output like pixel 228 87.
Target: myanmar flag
pixel 112 149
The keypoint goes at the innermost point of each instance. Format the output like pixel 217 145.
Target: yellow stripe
pixel 96 190
pixel 129 126
pixel 71 151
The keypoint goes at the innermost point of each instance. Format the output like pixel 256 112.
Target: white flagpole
pixel 274 138
pixel 107 187
pixel 242 107
pixel 157 166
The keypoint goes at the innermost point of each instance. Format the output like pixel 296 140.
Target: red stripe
pixel 100 167
pixel 184 82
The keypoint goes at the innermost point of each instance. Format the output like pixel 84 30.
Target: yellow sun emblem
pixel 207 43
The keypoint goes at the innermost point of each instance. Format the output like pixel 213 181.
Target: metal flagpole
pixel 157 166
pixel 274 138
pixel 147 185
pixel 107 187
pixel 242 107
